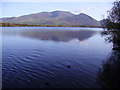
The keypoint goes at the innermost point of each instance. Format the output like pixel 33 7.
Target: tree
pixel 113 19
pixel 110 71
pixel 112 26
pixel 114 14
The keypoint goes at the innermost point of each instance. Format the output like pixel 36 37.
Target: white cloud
pixel 86 10
pixel 57 0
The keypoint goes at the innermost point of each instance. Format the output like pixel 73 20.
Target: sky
pixel 57 0
pixel 96 9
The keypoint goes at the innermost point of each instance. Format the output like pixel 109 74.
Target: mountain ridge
pixel 54 18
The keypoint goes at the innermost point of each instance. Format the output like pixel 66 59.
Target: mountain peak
pixel 61 14
pixel 83 14
pixel 60 11
pixel 57 11
pixel 57 17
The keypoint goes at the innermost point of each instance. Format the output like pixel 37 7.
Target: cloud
pixel 78 11
pixel 57 0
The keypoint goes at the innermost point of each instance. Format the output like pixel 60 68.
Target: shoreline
pixel 30 25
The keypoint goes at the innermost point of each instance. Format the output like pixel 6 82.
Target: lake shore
pixel 30 25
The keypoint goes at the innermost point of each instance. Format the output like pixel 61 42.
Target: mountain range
pixel 54 18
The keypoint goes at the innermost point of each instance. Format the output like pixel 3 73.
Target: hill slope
pixel 54 18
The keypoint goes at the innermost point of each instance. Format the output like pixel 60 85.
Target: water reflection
pixel 55 35
pixel 110 74
pixel 36 64
pixel 112 35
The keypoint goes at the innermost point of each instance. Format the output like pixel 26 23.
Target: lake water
pixel 58 57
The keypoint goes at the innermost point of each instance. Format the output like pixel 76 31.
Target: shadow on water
pixel 54 35
pixel 109 75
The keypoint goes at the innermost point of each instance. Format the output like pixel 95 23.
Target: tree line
pixel 112 25
pixel 30 25
pixel 109 76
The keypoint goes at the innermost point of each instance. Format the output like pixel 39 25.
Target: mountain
pixel 102 22
pixel 54 18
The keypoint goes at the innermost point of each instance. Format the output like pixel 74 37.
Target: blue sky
pixel 94 9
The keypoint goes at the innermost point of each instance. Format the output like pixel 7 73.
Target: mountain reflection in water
pixel 58 35
pixel 51 58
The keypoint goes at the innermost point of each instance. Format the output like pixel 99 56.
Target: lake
pixel 52 57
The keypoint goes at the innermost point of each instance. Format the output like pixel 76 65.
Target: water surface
pixel 44 57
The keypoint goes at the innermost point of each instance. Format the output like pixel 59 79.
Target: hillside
pixel 54 18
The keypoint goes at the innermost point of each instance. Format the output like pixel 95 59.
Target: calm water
pixel 44 57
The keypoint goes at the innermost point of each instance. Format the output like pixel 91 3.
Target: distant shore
pixel 30 25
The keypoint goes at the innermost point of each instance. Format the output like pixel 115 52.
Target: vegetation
pixel 112 26
pixel 110 73
pixel 30 25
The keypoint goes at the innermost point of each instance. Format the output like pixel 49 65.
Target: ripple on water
pixel 38 61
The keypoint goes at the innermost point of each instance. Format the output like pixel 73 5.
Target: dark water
pixel 44 57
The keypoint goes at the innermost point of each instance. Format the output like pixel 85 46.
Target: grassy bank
pixel 29 25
